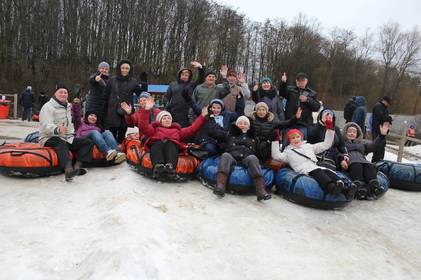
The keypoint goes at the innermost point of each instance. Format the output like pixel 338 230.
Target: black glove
pixel 187 96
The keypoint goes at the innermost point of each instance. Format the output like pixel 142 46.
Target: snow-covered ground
pixel 113 223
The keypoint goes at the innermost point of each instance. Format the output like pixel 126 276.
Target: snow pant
pixel 119 133
pixel 227 162
pixel 364 172
pixel 26 113
pixel 105 141
pixel 82 147
pixel 378 154
pixel 324 177
pixel 164 152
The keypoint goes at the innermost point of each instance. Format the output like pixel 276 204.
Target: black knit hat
pixel 387 99
pixel 60 85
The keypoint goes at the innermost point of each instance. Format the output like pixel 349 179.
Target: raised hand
pixel 98 78
pixel 205 111
pixel 150 102
pixel 223 71
pixel 256 86
pixel 384 128
pixel 196 64
pixel 126 107
pixel 284 77
pixel 242 78
pixel 298 113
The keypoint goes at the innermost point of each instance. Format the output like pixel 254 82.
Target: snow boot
pixel 221 181
pixel 261 193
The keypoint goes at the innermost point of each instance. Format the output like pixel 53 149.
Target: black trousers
pixel 379 153
pixel 119 133
pixel 364 172
pixel 82 147
pixel 324 177
pixel 164 152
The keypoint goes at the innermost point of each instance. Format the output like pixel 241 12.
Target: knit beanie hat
pixel 60 85
pixel 218 101
pixel 103 64
pixel 210 72
pixel 145 94
pixel 262 104
pixel 265 79
pixel 161 115
pixel 242 119
pixel 293 132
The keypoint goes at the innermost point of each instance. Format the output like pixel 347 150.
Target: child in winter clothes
pixel 241 148
pixel 146 110
pixel 362 172
pixel 103 139
pixel 302 158
pixel 165 139
pixel 213 133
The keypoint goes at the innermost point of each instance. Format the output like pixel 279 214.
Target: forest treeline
pixel 45 41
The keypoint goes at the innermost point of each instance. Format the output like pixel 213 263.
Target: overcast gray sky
pixel 356 15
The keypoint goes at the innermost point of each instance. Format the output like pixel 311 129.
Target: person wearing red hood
pixel 120 88
pixel 180 92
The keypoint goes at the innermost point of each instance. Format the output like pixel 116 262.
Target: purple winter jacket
pixel 85 128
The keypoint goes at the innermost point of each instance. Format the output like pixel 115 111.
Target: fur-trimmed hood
pixel 359 138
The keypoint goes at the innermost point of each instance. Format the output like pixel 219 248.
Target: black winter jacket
pixel 96 98
pixel 380 114
pixel 240 145
pixel 27 98
pixel 292 94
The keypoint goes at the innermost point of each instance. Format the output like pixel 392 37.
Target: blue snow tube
pixel 404 176
pixel 239 181
pixel 304 190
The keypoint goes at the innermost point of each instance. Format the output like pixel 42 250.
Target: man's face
pixel 61 95
pixel 124 69
pixel 216 109
pixel 266 85
pixel 142 102
pixel 185 76
pixel 351 133
pixel 210 80
pixel 385 103
pixel 232 79
pixel 301 82
pixel 295 140
pixel 104 70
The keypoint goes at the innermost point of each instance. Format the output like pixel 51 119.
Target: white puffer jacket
pixel 300 163
pixel 51 116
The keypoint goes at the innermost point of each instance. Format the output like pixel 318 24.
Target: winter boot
pixel 261 193
pixel 221 181
pixel 349 191
pixel 78 168
pixel 375 189
pixel 69 173
pixel 158 171
pixel 169 168
pixel 335 188
pixel 362 192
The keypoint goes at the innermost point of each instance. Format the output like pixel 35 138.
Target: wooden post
pixel 402 142
pixel 15 106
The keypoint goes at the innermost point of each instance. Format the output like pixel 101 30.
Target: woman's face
pixel 295 140
pixel 185 76
pixel 243 125
pixel 216 109
pixel 266 85
pixel 351 133
pixel 92 118
pixel 166 121
pixel 261 112
pixel 124 69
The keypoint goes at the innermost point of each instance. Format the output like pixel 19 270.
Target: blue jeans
pixel 105 141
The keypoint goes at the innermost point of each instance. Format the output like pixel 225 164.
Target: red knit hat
pixel 293 132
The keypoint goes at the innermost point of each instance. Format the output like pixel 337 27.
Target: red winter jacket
pixel 141 115
pixel 175 133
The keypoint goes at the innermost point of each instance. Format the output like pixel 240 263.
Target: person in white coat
pixel 301 157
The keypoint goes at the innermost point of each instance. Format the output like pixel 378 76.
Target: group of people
pixel 211 114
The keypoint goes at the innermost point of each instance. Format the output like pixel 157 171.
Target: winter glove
pixel 329 124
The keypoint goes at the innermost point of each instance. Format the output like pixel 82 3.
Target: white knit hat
pixel 162 114
pixel 244 119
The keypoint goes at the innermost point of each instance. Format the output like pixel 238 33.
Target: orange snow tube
pixel 28 160
pixel 139 159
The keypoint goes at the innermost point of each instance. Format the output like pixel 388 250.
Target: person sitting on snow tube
pixel 240 148
pixel 57 131
pixel 213 133
pixel 332 157
pixel 147 110
pixel 165 140
pixel 103 139
pixel 302 158
pixel 264 126
pixel 361 171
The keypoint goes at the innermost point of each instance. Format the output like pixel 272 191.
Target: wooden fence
pixel 402 140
